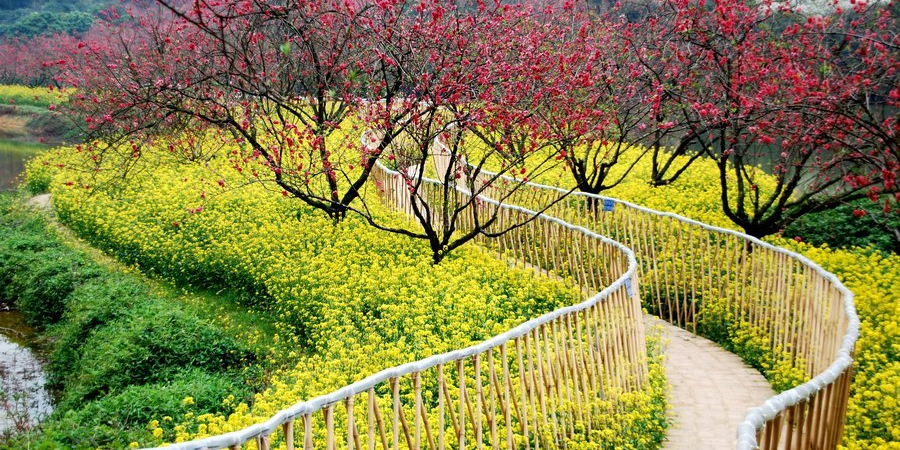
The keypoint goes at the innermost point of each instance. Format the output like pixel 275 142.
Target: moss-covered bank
pixel 121 349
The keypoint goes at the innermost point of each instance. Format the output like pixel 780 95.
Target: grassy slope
pixel 26 115
pixel 116 340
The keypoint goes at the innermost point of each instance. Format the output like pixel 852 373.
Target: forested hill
pixel 28 18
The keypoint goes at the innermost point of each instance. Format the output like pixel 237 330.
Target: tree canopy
pixel 767 91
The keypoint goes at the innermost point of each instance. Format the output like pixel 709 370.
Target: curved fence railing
pixel 783 312
pixel 534 386
pixel 539 384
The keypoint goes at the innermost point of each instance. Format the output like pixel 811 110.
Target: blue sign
pixel 608 205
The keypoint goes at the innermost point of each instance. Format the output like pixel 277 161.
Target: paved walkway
pixel 711 390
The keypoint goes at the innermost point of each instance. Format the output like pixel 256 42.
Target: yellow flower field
pixel 350 299
pixel 13 95
pixel 311 274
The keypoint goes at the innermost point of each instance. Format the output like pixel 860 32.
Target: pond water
pixel 23 400
pixel 13 155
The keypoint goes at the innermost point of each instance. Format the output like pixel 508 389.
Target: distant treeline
pixel 28 18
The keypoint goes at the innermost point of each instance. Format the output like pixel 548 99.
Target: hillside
pixel 28 18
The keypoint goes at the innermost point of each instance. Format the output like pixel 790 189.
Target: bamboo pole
pixel 307 432
pixel 479 400
pixel 417 415
pixel 370 419
pixel 462 404
pixel 329 427
pixel 442 387
pixel 395 418
pixel 524 398
pixel 288 430
pixel 553 389
pixel 492 394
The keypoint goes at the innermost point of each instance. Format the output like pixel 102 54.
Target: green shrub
pixel 855 224
pixel 148 345
pixel 137 406
pixel 119 353
pixel 92 305
pixel 41 288
pixel 36 272
pixel 116 420
pixel 21 237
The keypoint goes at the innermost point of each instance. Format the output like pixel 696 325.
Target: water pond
pixel 13 155
pixel 23 399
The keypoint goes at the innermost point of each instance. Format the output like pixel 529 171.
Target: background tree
pixel 281 82
pixel 606 110
pixel 34 61
pixel 26 19
pixel 482 82
pixel 14 4
pixel 619 99
pixel 35 36
pixel 287 83
pixel 796 102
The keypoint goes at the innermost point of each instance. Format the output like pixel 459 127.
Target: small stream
pixel 23 400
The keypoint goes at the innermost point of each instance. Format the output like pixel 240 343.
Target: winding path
pixel 711 389
pixel 40 202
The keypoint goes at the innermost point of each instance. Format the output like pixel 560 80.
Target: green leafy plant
pixel 856 224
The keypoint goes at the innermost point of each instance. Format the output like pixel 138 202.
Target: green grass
pixel 24 109
pixel 21 148
pixel 122 349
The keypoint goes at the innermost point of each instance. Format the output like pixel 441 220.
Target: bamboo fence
pixel 543 382
pixel 732 288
